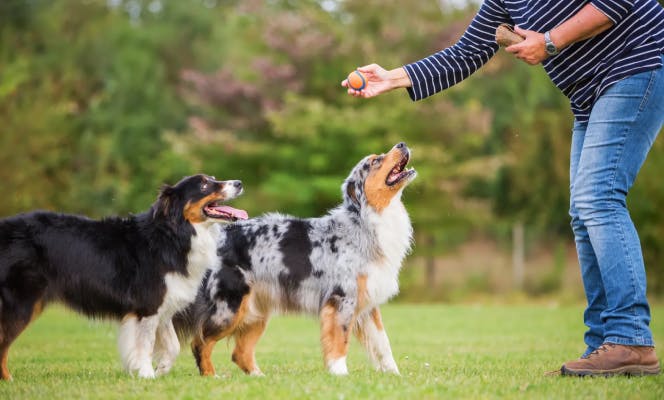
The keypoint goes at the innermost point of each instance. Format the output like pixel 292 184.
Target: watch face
pixel 551 49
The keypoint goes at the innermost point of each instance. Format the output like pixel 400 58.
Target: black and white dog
pixel 141 269
pixel 340 267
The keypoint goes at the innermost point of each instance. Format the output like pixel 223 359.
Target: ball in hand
pixel 357 80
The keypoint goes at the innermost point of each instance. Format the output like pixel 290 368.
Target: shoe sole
pixel 628 370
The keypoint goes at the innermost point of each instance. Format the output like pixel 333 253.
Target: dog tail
pixel 184 323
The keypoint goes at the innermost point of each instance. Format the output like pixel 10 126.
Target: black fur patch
pixel 296 248
pixel 333 244
pixel 237 246
pixel 338 292
pixel 336 297
pixel 231 287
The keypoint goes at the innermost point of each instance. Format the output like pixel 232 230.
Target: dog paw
pixel 146 373
pixel 162 369
pixel 338 367
pixel 256 372
pixel 392 370
pixel 390 367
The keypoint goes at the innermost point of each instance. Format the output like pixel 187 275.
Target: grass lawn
pixel 443 351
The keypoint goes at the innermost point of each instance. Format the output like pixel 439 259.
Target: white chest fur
pixel 394 235
pixel 181 289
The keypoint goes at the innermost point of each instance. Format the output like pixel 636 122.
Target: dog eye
pixel 375 161
pixel 204 186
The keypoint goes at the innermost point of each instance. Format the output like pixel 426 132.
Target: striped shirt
pixel 582 71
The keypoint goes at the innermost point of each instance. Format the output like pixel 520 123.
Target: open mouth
pixel 221 211
pixel 399 172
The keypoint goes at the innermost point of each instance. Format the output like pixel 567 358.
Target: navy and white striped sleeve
pixel 615 10
pixel 454 64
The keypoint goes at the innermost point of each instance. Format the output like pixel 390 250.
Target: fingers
pixel 353 92
pixel 531 51
pixel 356 93
pixel 370 68
pixel 515 48
pixel 520 31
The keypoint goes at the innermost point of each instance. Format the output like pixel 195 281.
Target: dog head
pixel 198 199
pixel 377 179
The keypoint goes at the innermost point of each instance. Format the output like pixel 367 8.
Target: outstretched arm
pixel 445 68
pixel 588 22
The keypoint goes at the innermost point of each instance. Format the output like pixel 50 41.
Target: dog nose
pixel 400 145
pixel 237 184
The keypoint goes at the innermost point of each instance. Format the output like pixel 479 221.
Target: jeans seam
pixel 646 95
pixel 632 278
pixel 623 240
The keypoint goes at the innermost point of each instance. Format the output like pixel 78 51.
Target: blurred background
pixel 102 101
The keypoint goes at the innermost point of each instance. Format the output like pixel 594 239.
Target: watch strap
pixel 549 46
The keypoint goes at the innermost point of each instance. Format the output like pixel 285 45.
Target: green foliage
pixel 103 101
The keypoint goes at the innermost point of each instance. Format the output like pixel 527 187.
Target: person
pixel 606 56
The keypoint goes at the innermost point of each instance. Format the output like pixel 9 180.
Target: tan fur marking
pixel 245 344
pixel 37 310
pixel 127 316
pixel 203 350
pixel 377 320
pixel 378 193
pixel 362 294
pixel 203 345
pixel 193 212
pixel 333 338
pixel 4 371
pixel 359 327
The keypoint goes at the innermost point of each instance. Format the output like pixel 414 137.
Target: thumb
pixel 521 32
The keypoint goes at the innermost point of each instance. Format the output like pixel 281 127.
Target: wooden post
pixel 431 263
pixel 518 255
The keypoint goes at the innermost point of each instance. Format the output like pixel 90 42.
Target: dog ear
pixel 351 193
pixel 163 205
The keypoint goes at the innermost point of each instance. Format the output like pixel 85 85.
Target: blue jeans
pixel 606 155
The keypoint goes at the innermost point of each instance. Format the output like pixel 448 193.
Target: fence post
pixel 518 255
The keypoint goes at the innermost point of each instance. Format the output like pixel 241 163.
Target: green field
pixel 443 351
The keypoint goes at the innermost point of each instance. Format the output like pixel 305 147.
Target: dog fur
pixel 339 267
pixel 140 270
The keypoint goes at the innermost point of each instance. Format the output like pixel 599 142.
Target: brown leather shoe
pixel 615 359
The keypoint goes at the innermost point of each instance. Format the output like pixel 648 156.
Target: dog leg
pixel 146 334
pixel 4 371
pixel 244 354
pixel 136 343
pixel 336 319
pixel 167 347
pixel 202 350
pixel 13 323
pixel 371 333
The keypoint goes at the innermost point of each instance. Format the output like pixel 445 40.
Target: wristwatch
pixel 551 48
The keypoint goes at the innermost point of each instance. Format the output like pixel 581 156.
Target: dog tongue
pixel 233 212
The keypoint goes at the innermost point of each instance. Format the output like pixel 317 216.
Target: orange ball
pixel 356 80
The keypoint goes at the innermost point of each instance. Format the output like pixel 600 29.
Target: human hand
pixel 378 81
pixel 532 49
